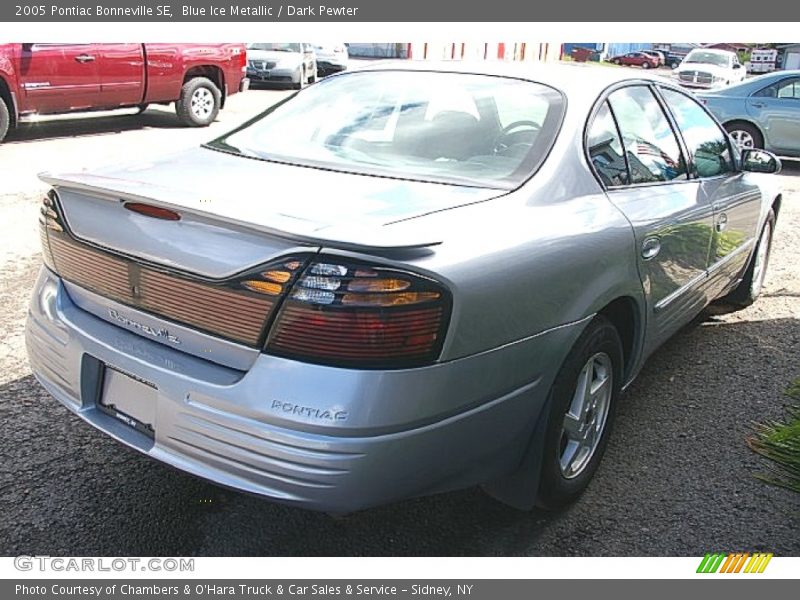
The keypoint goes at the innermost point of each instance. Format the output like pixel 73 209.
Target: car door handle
pixel 722 222
pixel 651 247
pixel 84 58
pixel 758 104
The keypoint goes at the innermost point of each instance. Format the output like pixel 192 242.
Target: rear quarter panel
pixel 546 255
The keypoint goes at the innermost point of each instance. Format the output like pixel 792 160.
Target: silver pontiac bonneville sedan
pixel 452 274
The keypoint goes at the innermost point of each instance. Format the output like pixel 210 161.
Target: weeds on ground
pixel 779 441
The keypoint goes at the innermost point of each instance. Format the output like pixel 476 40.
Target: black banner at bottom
pixel 370 589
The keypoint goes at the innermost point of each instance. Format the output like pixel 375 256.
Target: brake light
pixel 346 314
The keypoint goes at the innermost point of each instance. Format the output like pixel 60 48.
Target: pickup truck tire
pixel 5 120
pixel 199 102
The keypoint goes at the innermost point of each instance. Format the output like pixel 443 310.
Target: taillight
pixel 48 220
pixel 348 314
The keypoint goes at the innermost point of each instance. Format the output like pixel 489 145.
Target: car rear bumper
pixel 264 431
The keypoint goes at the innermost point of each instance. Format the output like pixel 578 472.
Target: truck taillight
pixel 364 316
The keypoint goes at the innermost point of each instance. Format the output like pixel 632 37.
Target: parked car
pixel 331 58
pixel 762 112
pixel 635 59
pixel 709 68
pixel 46 79
pixel 281 62
pixel 658 55
pixel 450 283
pixel 673 59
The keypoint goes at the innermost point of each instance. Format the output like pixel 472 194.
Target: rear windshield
pixel 442 127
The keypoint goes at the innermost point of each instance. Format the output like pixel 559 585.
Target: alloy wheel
pixel 202 103
pixel 742 139
pixel 586 416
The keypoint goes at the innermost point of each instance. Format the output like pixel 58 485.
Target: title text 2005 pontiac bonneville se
pixel 400 281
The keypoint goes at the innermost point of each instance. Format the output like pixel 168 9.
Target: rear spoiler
pixel 378 238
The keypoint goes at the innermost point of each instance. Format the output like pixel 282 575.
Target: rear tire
pixel 5 120
pixel 583 402
pixel 199 102
pixel 749 289
pixel 745 135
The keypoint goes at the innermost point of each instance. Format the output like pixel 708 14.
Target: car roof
pixel 583 78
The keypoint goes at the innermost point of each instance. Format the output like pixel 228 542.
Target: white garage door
pixel 792 61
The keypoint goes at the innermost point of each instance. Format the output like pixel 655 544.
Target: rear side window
pixel 786 88
pixel 650 144
pixel 605 149
pixel 705 140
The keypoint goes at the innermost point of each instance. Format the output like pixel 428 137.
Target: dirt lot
pixel 677 478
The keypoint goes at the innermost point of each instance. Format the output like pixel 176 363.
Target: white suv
pixel 709 68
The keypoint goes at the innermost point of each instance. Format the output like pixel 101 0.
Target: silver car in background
pixel 455 272
pixel 281 62
pixel 331 58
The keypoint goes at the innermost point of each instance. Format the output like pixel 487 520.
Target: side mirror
pixel 737 66
pixel 760 161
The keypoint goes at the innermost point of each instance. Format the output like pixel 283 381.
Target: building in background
pixel 790 54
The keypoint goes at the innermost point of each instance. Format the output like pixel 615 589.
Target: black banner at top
pixel 391 11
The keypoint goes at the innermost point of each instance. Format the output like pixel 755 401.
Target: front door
pixel 735 200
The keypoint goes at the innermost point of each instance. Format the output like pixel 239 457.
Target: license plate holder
pixel 129 399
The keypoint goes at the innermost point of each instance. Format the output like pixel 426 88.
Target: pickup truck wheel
pixel 199 102
pixel 5 120
pixel 583 401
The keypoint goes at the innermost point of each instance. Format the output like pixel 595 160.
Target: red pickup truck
pixel 62 78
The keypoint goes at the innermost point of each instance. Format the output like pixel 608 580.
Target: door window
pixel 605 149
pixel 707 143
pixel 786 88
pixel 650 144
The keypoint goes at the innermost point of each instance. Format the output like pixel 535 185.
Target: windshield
pixel 276 47
pixel 712 58
pixel 441 127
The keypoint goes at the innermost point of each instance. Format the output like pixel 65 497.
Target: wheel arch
pixel 747 122
pixel 625 314
pixel 212 72
pixel 8 98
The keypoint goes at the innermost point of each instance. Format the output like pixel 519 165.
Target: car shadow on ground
pixel 36 131
pixel 69 489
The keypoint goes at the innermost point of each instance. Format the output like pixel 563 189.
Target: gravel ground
pixel 677 478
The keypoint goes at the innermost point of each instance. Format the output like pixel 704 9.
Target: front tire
pixel 199 102
pixel 749 289
pixel 5 120
pixel 645 65
pixel 583 402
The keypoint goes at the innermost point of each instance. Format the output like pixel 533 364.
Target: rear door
pixel 736 201
pixel 777 108
pixel 59 77
pixel 642 163
pixel 121 74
